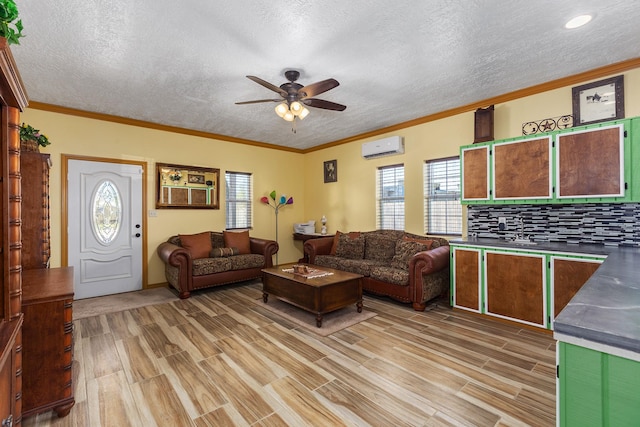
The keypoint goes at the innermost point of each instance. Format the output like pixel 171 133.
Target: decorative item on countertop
pixel 323 220
pixel 10 25
pixel 276 205
pixel 32 139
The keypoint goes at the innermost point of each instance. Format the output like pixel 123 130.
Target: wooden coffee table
pixel 318 295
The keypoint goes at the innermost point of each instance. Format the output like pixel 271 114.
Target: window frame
pixel 397 219
pixel 229 177
pixel 452 211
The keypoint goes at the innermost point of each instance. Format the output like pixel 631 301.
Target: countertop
pixel 606 310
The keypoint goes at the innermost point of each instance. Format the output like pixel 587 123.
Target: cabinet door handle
pixel 137 234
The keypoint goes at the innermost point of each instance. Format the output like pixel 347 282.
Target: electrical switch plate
pixel 153 213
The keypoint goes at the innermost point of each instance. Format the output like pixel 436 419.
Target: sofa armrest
pixel 265 247
pixel 430 261
pixel 174 255
pixel 319 246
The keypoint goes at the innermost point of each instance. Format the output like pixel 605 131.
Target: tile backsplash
pixel 615 224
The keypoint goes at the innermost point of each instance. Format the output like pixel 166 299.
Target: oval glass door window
pixel 106 212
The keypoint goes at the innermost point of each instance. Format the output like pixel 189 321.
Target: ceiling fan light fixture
pixel 303 113
pixel 296 108
pixel 288 116
pixel 281 109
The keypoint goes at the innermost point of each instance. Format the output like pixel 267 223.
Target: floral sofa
pixel 404 266
pixel 211 258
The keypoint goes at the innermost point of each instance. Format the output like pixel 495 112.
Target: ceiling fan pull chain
pixel 293 126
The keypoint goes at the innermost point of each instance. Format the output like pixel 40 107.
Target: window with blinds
pixel 239 194
pixel 442 207
pixel 390 198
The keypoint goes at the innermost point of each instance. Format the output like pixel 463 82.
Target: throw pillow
pixel 223 252
pixel 198 245
pixel 404 251
pixel 428 243
pixel 237 239
pixel 336 239
pixel 351 248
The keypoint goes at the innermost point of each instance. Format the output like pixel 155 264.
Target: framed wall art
pixel 190 187
pixel 598 101
pixel 331 171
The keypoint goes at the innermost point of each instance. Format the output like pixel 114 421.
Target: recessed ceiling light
pixel 578 21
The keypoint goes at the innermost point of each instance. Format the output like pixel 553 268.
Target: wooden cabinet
pixel 522 169
pixel 34 167
pixel 13 99
pixel 579 165
pixel 515 286
pixel 529 286
pixel 568 275
pixel 475 173
pixel 467 278
pixel 590 163
pixel 48 340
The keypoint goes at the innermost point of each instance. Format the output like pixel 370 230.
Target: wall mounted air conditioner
pixel 383 147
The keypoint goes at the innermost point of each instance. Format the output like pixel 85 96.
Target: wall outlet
pixel 502 223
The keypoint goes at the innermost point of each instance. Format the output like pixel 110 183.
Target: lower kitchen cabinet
pixel 515 286
pixel 467 276
pixel 525 286
pixel 596 388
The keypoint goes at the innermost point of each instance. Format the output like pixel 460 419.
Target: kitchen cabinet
pixel 515 286
pixel 467 275
pixel 522 169
pixel 475 173
pixel 590 163
pixel 586 164
pixel 596 388
pixel 524 285
pixel 567 275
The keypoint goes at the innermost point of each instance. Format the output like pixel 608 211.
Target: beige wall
pixel 349 204
pixel 79 136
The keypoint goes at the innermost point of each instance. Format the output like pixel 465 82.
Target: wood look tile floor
pixel 219 359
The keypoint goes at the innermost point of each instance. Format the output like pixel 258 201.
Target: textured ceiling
pixel 183 63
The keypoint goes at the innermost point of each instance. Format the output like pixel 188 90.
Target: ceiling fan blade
pixel 321 103
pixel 268 85
pixel 317 88
pixel 258 100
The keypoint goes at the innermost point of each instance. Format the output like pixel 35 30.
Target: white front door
pixel 104 227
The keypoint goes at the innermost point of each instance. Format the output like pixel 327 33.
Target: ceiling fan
pixel 294 97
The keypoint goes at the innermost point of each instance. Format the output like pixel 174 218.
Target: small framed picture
pixel 331 171
pixel 598 101
pixel 196 179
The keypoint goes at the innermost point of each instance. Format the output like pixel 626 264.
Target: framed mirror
pixel 187 187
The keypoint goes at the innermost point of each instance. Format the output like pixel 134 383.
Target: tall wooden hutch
pixel 13 100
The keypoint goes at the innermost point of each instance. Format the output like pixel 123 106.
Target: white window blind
pixel 442 207
pixel 390 198
pixel 239 194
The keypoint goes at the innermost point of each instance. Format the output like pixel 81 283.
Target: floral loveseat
pixel 397 264
pixel 213 258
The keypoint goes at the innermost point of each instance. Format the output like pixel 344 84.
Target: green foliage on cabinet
pixel 630 181
pixel 596 388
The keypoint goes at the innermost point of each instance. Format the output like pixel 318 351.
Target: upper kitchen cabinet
pixel 586 164
pixel 475 173
pixel 590 163
pixel 522 169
